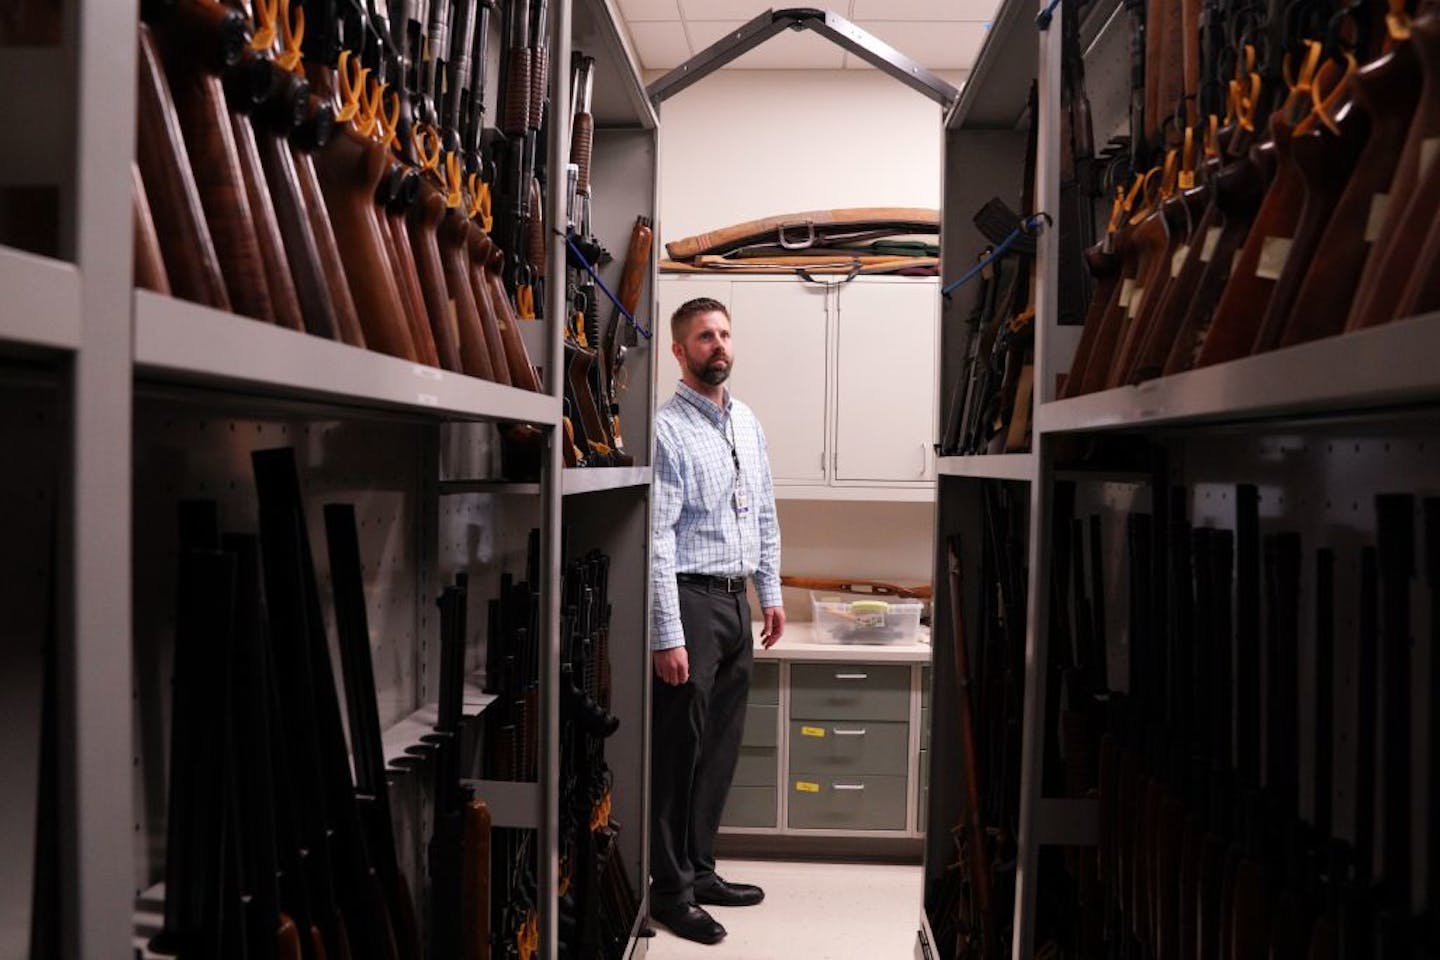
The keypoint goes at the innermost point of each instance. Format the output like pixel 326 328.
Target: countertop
pixel 798 643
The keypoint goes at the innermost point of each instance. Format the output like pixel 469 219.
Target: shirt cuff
pixel 769 592
pixel 668 636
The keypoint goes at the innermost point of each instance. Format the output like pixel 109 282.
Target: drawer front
pixel 761 726
pixel 846 803
pixel 765 683
pixel 839 691
pixel 749 807
pixel 757 767
pixel 868 747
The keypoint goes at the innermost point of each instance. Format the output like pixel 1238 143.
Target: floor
pixel 819 911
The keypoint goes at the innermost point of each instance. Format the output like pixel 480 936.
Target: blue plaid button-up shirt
pixel 698 523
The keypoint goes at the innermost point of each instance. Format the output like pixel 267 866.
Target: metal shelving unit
pixel 1322 426
pixel 42 301
pixel 156 399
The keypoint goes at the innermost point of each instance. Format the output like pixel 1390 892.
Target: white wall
pixel 745 144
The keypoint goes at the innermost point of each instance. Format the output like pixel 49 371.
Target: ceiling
pixel 943 35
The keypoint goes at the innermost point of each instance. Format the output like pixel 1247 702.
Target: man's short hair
pixel 680 319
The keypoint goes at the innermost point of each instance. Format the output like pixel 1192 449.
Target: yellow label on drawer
pixel 812 731
pixel 805 786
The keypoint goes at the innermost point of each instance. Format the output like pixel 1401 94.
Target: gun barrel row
pixel 1276 186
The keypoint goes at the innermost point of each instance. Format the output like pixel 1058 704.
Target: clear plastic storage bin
pixel 863 620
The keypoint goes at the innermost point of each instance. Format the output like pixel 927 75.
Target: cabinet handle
pixel 924 458
pixel 849 733
pixel 849 786
pixel 852 676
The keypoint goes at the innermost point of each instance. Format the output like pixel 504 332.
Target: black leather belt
pixel 724 584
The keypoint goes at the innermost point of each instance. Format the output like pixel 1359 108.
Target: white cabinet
pixel 885 382
pixel 843 377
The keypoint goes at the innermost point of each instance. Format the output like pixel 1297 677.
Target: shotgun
pixel 191 263
pixel 372 791
pixel 619 333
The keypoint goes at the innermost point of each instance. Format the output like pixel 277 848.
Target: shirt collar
pixel 704 404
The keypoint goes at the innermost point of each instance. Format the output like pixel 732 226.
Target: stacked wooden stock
pixel 972 905
pixel 322 169
pixel 1205 848
pixel 992 399
pixel 1281 185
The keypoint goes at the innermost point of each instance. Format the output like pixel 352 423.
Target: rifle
pixel 863 587
pixel 1078 180
pixel 191 263
pixel 1395 541
pixel 372 790
pixel 620 334
pixel 358 919
pixel 198 40
pixel 447 838
pixel 149 263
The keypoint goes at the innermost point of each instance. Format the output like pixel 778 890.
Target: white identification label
pixel 1428 148
pixel 1212 240
pixel 1177 262
pixel 1135 302
pixel 1127 290
pixel 427 373
pixel 1379 204
pixel 1274 251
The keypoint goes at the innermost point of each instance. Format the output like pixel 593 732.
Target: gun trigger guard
pixel 808 277
pixel 805 244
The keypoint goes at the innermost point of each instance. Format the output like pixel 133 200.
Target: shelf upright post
pixel 1047 199
pixel 552 484
pixel 94 656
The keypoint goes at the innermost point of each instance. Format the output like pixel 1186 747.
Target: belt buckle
pixel 734 584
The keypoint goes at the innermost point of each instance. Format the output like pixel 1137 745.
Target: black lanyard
pixel 728 436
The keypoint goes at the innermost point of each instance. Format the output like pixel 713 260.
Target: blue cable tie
pixel 1029 225
pixel 601 284
pixel 1043 20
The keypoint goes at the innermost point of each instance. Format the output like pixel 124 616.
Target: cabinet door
pixel 779 332
pixel 672 292
pixel 885 391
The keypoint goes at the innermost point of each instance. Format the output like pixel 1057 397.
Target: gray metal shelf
pixel 1005 466
pixel 188 343
pixel 575 482
pixel 42 301
pixel 1383 366
pixel 994 94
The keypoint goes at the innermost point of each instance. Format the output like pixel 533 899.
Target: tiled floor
pixel 818 911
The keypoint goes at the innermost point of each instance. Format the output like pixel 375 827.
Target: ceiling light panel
pixel 650 9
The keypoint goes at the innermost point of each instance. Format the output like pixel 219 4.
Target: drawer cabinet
pixel 820 802
pixel 754 800
pixel 825 691
pixel 751 807
pixel 849 747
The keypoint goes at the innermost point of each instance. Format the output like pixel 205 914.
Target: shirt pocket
pixel 714 486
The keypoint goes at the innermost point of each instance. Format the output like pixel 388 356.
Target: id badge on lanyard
pixel 742 493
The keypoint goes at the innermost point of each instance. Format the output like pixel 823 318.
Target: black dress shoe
pixel 722 894
pixel 690 922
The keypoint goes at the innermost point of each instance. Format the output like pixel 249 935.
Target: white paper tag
pixel 1127 290
pixel 1428 148
pixel 1212 239
pixel 1379 204
pixel 427 373
pixel 1235 260
pixel 1135 302
pixel 742 498
pixel 1177 262
pixel 1274 251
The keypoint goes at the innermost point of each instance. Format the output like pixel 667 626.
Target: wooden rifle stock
pixel 1415 197
pixel 191 263
pixel 522 373
pixel 1422 290
pixel 214 154
pixel 475 891
pixel 302 251
pixel 479 246
pixel 317 214
pixel 285 302
pixel 149 263
pixel 873 588
pixel 1104 264
pixel 455 263
pixel 349 170
pixel 1158 239
pixel 423 223
pixel 393 202
pixel 612 355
